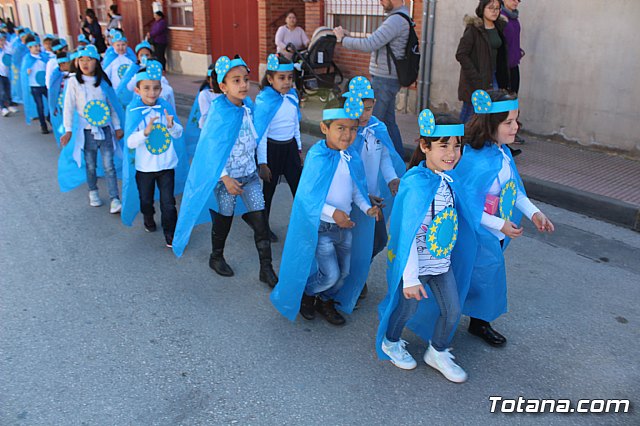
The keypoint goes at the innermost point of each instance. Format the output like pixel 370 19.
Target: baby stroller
pixel 318 74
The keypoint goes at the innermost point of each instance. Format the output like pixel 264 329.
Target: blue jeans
pixel 333 257
pixel 385 90
pixel 5 92
pixel 91 147
pixel 40 93
pixel 252 196
pixel 445 291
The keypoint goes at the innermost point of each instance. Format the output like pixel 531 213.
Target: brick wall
pixel 196 40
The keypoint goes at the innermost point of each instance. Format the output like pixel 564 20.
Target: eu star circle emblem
pixel 41 78
pixel 6 60
pixel 122 70
pixel 508 197
pixel 61 101
pixel 443 233
pixel 96 112
pixel 158 140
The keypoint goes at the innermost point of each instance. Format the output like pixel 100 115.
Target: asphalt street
pixel 100 324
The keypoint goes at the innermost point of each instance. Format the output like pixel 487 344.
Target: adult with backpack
pixel 394 63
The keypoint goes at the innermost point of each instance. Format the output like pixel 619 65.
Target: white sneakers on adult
pixel 94 199
pixel 398 354
pixel 443 362
pixel 116 206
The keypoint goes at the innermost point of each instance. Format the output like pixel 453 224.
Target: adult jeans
pixel 165 179
pixel 5 92
pixel 385 90
pixel 38 94
pixel 91 146
pixel 445 291
pixel 333 257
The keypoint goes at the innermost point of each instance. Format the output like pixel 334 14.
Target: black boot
pixel 257 221
pixel 483 329
pixel 219 231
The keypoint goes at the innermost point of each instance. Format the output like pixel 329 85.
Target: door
pixel 73 21
pixel 131 24
pixel 234 30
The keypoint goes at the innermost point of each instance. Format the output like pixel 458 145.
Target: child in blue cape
pixel 426 222
pixel 57 82
pixel 125 92
pixel 20 50
pixel 497 199
pixel 382 164
pixel 154 138
pixel 83 41
pixel 117 67
pixel 322 221
pixel 207 92
pixel 115 35
pixel 92 116
pixel 278 121
pixel 33 82
pixel 223 178
pixel 5 74
pixel 58 46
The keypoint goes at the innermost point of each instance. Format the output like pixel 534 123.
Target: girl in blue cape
pixel 33 81
pixel 497 200
pixel 207 92
pixel 427 221
pixel 144 52
pixel 92 118
pixel 156 155
pixel 223 178
pixel 323 265
pixel 277 118
pixel 112 52
pixel 118 65
pixel 57 81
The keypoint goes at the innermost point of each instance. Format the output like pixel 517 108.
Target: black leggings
pixel 283 159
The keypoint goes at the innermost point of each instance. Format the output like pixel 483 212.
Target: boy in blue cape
pixel 116 67
pixel 497 199
pixel 143 53
pixel 20 50
pixel 427 223
pixel 322 265
pixel 112 52
pixel 5 75
pixel 33 80
pixel 223 179
pixel 382 164
pixel 56 93
pixel 156 155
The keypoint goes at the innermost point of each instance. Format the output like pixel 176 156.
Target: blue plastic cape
pixel 71 166
pixel 298 257
pixel 130 194
pixel 476 171
pixel 30 110
pixel 220 132
pixel 125 95
pixel 418 188
pixel 192 130
pixel 19 51
pixel 268 103
pixel 381 133
pixel 110 54
pixel 56 103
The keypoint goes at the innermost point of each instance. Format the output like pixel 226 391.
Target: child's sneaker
pixel 398 354
pixel 13 109
pixel 94 199
pixel 116 206
pixel 168 238
pixel 5 112
pixel 149 224
pixel 443 362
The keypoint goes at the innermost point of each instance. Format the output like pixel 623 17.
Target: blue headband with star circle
pixel 482 104
pixel 430 129
pixel 273 64
pixel 352 110
pixel 360 86
pixel 224 65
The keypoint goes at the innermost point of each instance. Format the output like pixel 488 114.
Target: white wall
pixel 580 77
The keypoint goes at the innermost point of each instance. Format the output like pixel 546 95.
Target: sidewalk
pixel 597 184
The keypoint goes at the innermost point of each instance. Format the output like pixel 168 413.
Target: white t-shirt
pixel 205 97
pixel 38 66
pixel 112 71
pixel 147 161
pixel 376 159
pixel 342 192
pixel 285 124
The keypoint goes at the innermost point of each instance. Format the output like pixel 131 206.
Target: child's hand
pixel 265 173
pixel 64 139
pixel 415 292
pixel 301 158
pixel 149 127
pixel 169 119
pixel 29 71
pixel 232 185
pixel 542 222
pixel 342 220
pixel 376 201
pixel 394 185
pixel 119 134
pixel 511 230
pixel 375 212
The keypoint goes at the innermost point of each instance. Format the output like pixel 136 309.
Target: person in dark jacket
pixel 512 30
pixel 482 53
pixel 159 36
pixel 91 28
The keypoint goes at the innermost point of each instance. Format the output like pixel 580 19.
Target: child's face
pixel 47 44
pixel 281 81
pixel 444 154
pixel 340 134
pixel 35 49
pixel 120 47
pixel 506 132
pixel 236 84
pixel 149 91
pixel 368 111
pixel 142 52
pixel 87 65
pixel 1 43
pixel 65 66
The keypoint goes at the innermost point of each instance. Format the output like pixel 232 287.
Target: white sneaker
pixel 13 109
pixel 398 354
pixel 94 199
pixel 443 362
pixel 116 206
pixel 5 112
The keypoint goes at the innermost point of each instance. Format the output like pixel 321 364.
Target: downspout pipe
pixel 429 52
pixel 423 57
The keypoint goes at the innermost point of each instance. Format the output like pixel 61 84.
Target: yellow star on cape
pixel 390 255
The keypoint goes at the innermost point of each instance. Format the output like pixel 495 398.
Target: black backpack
pixel 409 66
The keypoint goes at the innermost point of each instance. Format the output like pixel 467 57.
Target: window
pixel 180 13
pixel 1 12
pixel 360 17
